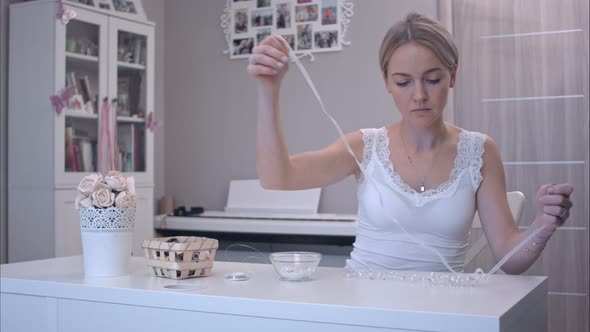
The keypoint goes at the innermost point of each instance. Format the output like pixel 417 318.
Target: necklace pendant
pixel 422 188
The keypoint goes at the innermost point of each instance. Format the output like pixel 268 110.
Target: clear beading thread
pixel 423 278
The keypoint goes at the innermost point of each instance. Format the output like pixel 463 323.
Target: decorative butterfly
pixel 151 123
pixel 67 15
pixel 64 15
pixel 59 101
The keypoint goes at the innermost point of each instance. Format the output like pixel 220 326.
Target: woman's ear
pixel 453 76
pixel 387 87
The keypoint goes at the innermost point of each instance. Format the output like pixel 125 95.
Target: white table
pixel 53 295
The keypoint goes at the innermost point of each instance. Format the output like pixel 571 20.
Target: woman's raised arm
pixel 276 168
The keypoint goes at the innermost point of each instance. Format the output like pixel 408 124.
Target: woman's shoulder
pixel 371 135
pixel 472 138
pixel 481 145
pixel 373 131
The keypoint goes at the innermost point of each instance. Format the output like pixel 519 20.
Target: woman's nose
pixel 419 93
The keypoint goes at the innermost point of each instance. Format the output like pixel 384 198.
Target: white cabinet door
pixel 144 218
pixel 131 83
pixel 27 313
pixel 81 61
pixel 67 224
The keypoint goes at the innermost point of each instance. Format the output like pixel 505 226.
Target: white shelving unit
pixel 105 56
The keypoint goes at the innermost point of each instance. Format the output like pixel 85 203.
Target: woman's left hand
pixel 554 204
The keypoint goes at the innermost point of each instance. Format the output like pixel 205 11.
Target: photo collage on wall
pixel 307 25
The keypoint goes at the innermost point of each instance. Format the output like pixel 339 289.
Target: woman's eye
pixel 434 81
pixel 402 83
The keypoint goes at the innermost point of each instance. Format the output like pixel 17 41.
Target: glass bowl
pixel 295 265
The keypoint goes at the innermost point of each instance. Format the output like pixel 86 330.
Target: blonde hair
pixel 424 31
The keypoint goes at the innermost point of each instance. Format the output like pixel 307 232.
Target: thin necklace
pixel 411 161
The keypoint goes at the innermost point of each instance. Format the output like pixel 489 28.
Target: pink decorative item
pixel 60 100
pixel 151 123
pixel 107 139
pixel 64 15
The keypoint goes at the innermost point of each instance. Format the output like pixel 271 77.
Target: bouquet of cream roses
pixel 112 190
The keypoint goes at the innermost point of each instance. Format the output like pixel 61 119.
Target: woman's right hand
pixel 269 61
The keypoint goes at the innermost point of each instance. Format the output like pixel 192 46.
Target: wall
pixel 211 101
pixel 207 102
pixel 3 129
pixel 154 10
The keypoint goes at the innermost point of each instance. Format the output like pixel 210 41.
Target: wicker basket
pixel 180 257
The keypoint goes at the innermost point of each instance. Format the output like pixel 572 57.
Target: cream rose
pixel 131 185
pixel 90 184
pixel 83 201
pixel 125 199
pixel 115 181
pixel 103 198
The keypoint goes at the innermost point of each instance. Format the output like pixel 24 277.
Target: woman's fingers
pixel 275 47
pixel 284 44
pixel 565 189
pixel 277 42
pixel 554 202
pixel 257 70
pixel 560 200
pixel 556 211
pixel 263 59
pixel 268 58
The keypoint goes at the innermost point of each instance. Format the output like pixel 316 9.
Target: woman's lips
pixel 421 110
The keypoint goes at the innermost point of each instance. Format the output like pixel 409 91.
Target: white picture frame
pixel 128 7
pixel 124 8
pixel 310 26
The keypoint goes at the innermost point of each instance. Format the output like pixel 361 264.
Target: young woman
pixel 432 176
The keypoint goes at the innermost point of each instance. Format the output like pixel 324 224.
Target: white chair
pixel 515 201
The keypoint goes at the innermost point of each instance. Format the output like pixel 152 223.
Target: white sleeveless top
pixel 439 217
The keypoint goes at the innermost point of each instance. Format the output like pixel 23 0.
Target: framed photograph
pixel 262 3
pixel 306 13
pixel 104 4
pixel 134 7
pixel 242 47
pixel 261 34
pixel 241 21
pixel 84 2
pixel 124 8
pixel 262 18
pixel 308 26
pixel 283 16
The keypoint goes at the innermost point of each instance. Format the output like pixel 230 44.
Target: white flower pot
pixel 107 240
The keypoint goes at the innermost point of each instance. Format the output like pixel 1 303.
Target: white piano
pixel 253 209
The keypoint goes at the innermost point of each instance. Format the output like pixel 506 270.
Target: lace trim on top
pixel 369 142
pixel 469 156
pixel 477 150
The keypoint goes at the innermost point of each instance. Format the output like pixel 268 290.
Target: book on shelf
pixel 86 155
pixel 83 91
pixel 77 160
pixel 135 88
pixel 73 81
pixel 125 160
pixel 83 98
pixel 85 87
pixel 80 154
pixel 136 147
pixel 137 51
pixel 69 149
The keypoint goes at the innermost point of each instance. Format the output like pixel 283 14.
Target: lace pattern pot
pixel 107 240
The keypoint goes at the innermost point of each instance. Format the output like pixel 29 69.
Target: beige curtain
pixel 523 80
